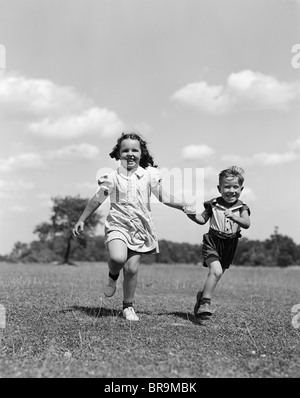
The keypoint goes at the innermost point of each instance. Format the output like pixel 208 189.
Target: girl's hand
pixel 78 227
pixel 189 209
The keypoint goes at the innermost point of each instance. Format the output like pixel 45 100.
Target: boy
pixel 227 215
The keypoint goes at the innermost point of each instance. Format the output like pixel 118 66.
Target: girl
pixel 129 228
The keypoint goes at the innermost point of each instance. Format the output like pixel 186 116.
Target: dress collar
pixel 127 174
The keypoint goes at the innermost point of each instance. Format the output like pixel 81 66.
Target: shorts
pixel 222 249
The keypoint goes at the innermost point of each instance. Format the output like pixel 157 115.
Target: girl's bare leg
pixel 130 271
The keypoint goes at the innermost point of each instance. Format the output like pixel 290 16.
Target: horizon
pixel 207 84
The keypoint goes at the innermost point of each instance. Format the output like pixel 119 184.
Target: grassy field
pixel 59 325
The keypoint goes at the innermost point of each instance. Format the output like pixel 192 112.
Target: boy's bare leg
pixel 214 275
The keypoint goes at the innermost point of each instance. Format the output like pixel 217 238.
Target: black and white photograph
pixel 149 187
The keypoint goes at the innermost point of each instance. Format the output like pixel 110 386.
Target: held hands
pixel 189 209
pixel 78 227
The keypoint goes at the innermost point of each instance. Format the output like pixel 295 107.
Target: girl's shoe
pixel 130 315
pixel 110 289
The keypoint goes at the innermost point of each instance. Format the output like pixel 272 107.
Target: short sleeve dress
pixel 129 217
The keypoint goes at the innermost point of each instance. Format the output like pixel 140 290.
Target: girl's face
pixel 130 153
pixel 230 189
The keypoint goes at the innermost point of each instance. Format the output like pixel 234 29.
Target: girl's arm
pixel 169 200
pixel 243 220
pixel 90 208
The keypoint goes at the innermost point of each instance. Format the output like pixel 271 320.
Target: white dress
pixel 130 217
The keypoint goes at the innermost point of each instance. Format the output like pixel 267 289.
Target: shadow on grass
pixel 96 312
pixel 197 320
pixel 100 312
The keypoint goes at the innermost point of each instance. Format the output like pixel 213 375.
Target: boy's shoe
pixel 130 315
pixel 197 305
pixel 205 309
pixel 110 289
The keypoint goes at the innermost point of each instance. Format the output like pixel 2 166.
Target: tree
pixel 65 213
pixel 19 251
pixel 285 251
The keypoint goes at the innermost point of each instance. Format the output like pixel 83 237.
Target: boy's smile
pixel 230 189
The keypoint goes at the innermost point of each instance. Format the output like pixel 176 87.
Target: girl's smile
pixel 130 153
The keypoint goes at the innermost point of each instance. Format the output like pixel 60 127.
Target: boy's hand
pixel 78 227
pixel 229 214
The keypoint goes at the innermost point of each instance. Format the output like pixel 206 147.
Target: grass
pixel 58 325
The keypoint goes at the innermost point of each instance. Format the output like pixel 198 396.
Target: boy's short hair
pixel 232 171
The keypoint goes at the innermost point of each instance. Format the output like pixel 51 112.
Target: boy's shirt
pixel 216 208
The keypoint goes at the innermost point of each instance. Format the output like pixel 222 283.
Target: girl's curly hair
pixel 232 171
pixel 146 158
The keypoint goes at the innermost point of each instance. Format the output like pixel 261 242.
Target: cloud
pixel 245 90
pixel 263 158
pixel 274 158
pixel 54 111
pixel 21 161
pixel 20 209
pixel 209 99
pixel 294 144
pixel 81 151
pixel 9 187
pixel 45 200
pixel 37 97
pixel 94 120
pixel 194 152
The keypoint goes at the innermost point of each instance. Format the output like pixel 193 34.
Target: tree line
pixel 56 244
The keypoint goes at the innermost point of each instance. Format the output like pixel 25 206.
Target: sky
pixel 207 83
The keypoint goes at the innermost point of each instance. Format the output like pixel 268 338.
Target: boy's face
pixel 230 189
pixel 130 153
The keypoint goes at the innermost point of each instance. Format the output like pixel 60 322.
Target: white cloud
pixel 45 200
pixel 209 99
pixel 9 187
pixel 21 161
pixel 19 209
pixel 294 144
pixel 37 97
pixel 54 111
pixel 274 158
pixel 94 120
pixel 244 90
pixel 194 152
pixel 262 158
pixel 81 151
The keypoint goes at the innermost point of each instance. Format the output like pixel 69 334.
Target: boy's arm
pixel 243 220
pixel 199 218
